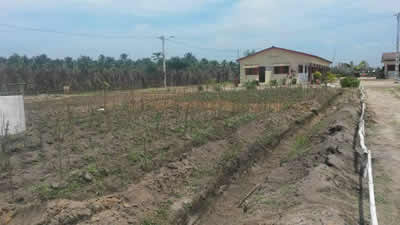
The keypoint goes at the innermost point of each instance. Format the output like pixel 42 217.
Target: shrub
pixel 330 77
pixel 200 88
pixel 294 81
pixel 273 82
pixel 236 82
pixel 218 88
pixel 284 81
pixel 317 75
pixel 251 85
pixel 350 82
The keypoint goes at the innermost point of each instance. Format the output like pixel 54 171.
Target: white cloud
pixel 319 25
pixel 137 7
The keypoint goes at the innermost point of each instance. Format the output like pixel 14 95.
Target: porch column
pixel 386 70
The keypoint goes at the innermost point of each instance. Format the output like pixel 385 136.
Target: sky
pixel 339 30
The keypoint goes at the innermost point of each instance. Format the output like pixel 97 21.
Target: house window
pixel 300 69
pixel 306 69
pixel 281 69
pixel 391 67
pixel 252 71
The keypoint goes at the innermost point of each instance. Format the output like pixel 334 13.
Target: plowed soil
pixel 291 166
pixel 307 179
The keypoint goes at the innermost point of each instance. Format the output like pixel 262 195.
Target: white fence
pixel 368 163
pixel 12 112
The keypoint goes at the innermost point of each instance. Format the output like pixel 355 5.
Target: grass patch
pixel 237 121
pixel 160 216
pixel 202 136
pixel 229 156
pixel 383 179
pixel 202 172
pixel 143 159
pixel 46 192
pixel 301 145
pixel 380 199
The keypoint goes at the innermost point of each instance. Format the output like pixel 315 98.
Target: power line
pixel 89 35
pixel 203 48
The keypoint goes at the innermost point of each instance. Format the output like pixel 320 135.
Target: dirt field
pixel 184 158
pixel 384 141
pixel 307 179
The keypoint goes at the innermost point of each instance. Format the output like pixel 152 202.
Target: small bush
pixel 236 82
pixel 200 88
pixel 273 82
pixel 218 88
pixel 284 81
pixel 330 77
pixel 251 85
pixel 294 81
pixel 317 76
pixel 143 159
pixel 350 82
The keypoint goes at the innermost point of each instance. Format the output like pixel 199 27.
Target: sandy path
pixel 384 141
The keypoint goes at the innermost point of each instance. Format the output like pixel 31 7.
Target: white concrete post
pixel 12 110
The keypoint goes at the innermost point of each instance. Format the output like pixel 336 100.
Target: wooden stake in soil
pixel 248 195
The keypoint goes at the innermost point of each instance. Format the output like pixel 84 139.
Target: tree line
pixel 42 74
pixel 351 69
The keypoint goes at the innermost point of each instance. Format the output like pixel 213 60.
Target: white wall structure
pixel 12 110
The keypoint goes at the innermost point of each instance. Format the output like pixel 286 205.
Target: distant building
pixel 389 60
pixel 278 63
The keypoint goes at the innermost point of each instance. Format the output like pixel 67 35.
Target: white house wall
pixel 390 74
pixel 277 57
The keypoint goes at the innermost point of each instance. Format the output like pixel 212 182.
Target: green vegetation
pixel 330 77
pixel 218 87
pixel 284 81
pixel 142 159
pixel 139 131
pixel 350 82
pixel 236 121
pixel 46 75
pixel 160 216
pixel 250 85
pixel 300 146
pixel 380 198
pixel 273 83
pixel 317 76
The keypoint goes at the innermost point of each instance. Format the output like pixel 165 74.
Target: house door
pixel 261 74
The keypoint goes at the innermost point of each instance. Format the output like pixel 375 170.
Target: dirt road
pixel 384 141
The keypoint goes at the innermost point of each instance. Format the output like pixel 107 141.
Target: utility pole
pixel 163 39
pixel 397 45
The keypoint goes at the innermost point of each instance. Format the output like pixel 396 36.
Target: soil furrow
pixel 277 184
